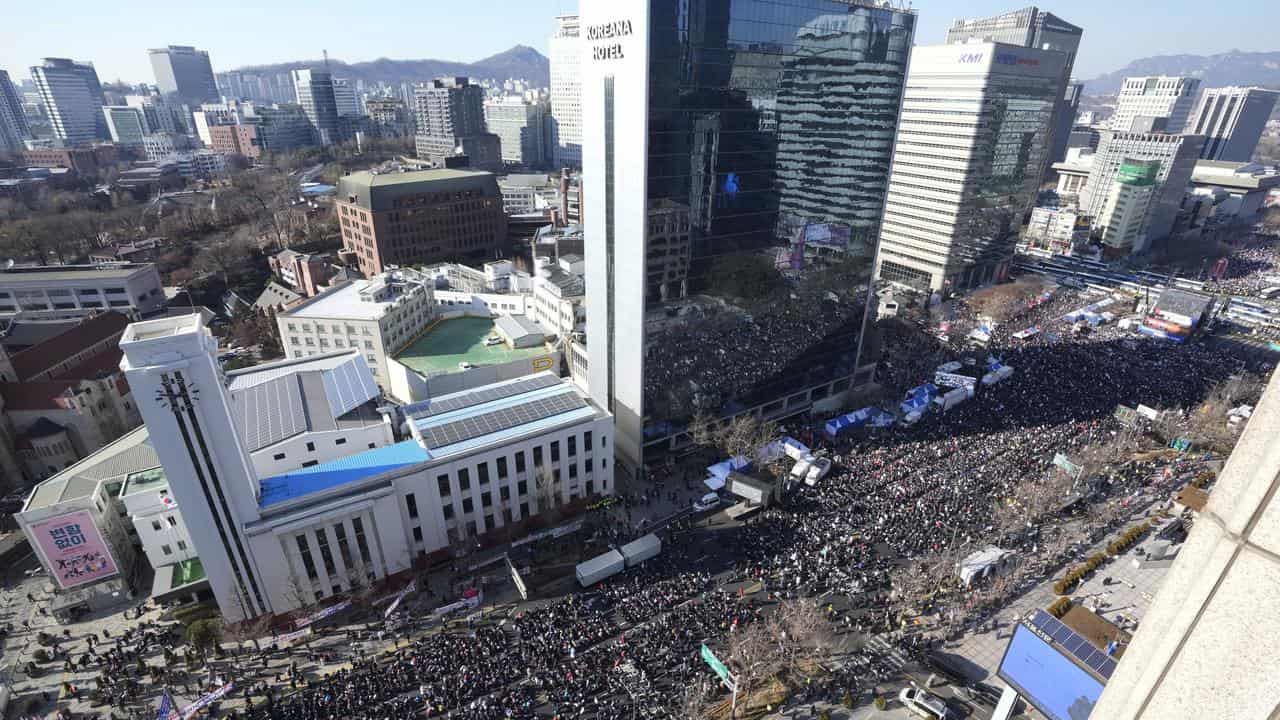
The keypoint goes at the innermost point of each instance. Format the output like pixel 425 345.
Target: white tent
pixel 981 562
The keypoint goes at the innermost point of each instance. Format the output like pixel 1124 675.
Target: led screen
pixel 1047 679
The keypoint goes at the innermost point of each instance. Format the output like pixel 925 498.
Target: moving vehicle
pixel 710 501
pixel 464 365
pixel 818 469
pixel 925 704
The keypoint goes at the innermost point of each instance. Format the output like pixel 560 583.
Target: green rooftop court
pixel 443 346
pixel 186 572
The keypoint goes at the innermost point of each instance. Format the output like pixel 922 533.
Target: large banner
pixel 400 596
pixel 76 552
pixel 318 616
pixel 204 702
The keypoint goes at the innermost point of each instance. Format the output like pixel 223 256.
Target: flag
pixel 166 706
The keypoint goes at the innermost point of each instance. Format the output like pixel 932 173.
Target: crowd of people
pixel 1250 270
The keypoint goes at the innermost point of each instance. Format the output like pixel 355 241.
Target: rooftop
pixel 448 343
pixel 377 191
pixel 72 340
pixel 275 295
pixel 52 273
pixel 335 474
pixel 354 300
pixel 131 454
pixel 517 326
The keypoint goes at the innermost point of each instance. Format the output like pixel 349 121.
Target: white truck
pixel 641 549
pixel 952 398
pixel 800 470
pixel 600 567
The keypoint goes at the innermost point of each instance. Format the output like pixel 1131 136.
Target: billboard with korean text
pixel 76 552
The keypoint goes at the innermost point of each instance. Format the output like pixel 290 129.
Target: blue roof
pixel 330 475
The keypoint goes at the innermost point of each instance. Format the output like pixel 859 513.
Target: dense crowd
pixel 631 644
pixel 1250 270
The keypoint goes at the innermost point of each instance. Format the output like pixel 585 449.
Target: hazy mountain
pixel 1229 68
pixel 519 62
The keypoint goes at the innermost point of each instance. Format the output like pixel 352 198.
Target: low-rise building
pixel 1239 189
pixel 304 272
pixel 85 161
pixel 1060 230
pixel 237 139
pixel 159 146
pixel 559 294
pixel 127 287
pixel 378 317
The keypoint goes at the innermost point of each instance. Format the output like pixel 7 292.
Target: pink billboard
pixel 74 548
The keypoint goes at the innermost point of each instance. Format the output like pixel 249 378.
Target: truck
pixel 952 398
pixel 801 469
pixel 600 567
pixel 640 549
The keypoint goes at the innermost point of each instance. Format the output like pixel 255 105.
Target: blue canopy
pixel 837 425
pixel 792 442
pixel 722 469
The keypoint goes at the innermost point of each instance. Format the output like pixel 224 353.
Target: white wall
pixel 451 301
pixel 326 447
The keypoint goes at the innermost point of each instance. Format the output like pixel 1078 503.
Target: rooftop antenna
pixel 326 58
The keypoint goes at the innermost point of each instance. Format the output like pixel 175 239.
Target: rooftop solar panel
pixel 499 420
pixel 1075 645
pixel 429 408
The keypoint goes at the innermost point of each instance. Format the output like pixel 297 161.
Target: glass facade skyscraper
pixel 736 155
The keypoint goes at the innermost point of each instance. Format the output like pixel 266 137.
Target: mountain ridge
pixel 518 62
pixel 1233 67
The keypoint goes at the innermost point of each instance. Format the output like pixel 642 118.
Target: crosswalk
pixel 893 656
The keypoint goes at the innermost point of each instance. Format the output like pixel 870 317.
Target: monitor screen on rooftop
pixel 1047 679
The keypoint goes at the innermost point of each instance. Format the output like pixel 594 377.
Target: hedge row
pixel 1126 540
pixel 1059 607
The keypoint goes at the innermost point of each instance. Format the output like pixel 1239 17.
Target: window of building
pixel 464 479
pixel 311 463
pixel 591 487
pixel 603 463
pixel 522 487
pixel 182 545
pixel 442 483
pixel 467 505
pixel 604 441
pixel 278 456
pixel 520 461
pixel 340 441
pixel 448 511
pixel 486 499
pixel 537 456
pixel 483 470
pixel 166 549
pixel 358 526
pixel 173 521
pixel 417 534
pixel 308 563
pixel 412 503
pixel 311 447
pixel 155 525
pixel 573 471
pixel 344 548
pixel 555 475
pixel 572 445
pixel 586 441
pixel 555 451
pixel 502 468
pixel 524 509
pixel 504 493
pixel 322 542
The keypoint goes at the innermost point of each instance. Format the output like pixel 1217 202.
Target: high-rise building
pixel 259 87
pixel 387 117
pixel 127 124
pixel 699 185
pixel 13 119
pixel 1122 224
pixel 1160 96
pixel 344 98
pixel 315 95
pixel 1032 27
pixel 72 96
pixel 565 49
pixel 967 162
pixel 1177 155
pixel 282 128
pixel 519 124
pixel 450 119
pixel 1232 120
pixel 184 72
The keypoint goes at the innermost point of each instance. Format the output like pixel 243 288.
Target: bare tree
pixel 296 591
pixel 755 656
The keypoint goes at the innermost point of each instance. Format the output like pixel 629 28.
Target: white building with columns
pixel 476 462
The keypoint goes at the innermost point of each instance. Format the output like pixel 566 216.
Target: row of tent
pixel 718 473
pixel 867 416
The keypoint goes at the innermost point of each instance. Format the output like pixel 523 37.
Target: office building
pixel 185 73
pixel 378 317
pixel 344 99
pixel 72 96
pixel 694 177
pixel 1060 230
pixel 1073 172
pixel 127 125
pixel 967 163
pixel 520 125
pixel 315 94
pixel 1162 96
pixel 1177 155
pixel 387 117
pixel 450 122
pixel 283 128
pixel 85 161
pixel 274 540
pixel 1033 28
pixel 1239 190
pixel 14 130
pixel 161 116
pixel 159 146
pixel 1232 119
pixel 256 86
pixel 565 48
pixel 419 217
pixel 1125 210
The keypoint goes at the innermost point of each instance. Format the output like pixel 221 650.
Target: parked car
pixel 925 704
pixel 710 501
pixel 493 340
pixel 464 365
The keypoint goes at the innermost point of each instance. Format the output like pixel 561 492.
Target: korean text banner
pixel 76 551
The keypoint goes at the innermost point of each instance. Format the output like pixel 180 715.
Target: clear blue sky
pixel 115 35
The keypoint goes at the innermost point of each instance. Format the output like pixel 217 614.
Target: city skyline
pixel 122 54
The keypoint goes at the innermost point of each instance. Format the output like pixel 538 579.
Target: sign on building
pixel 74 549
pixel 953 380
